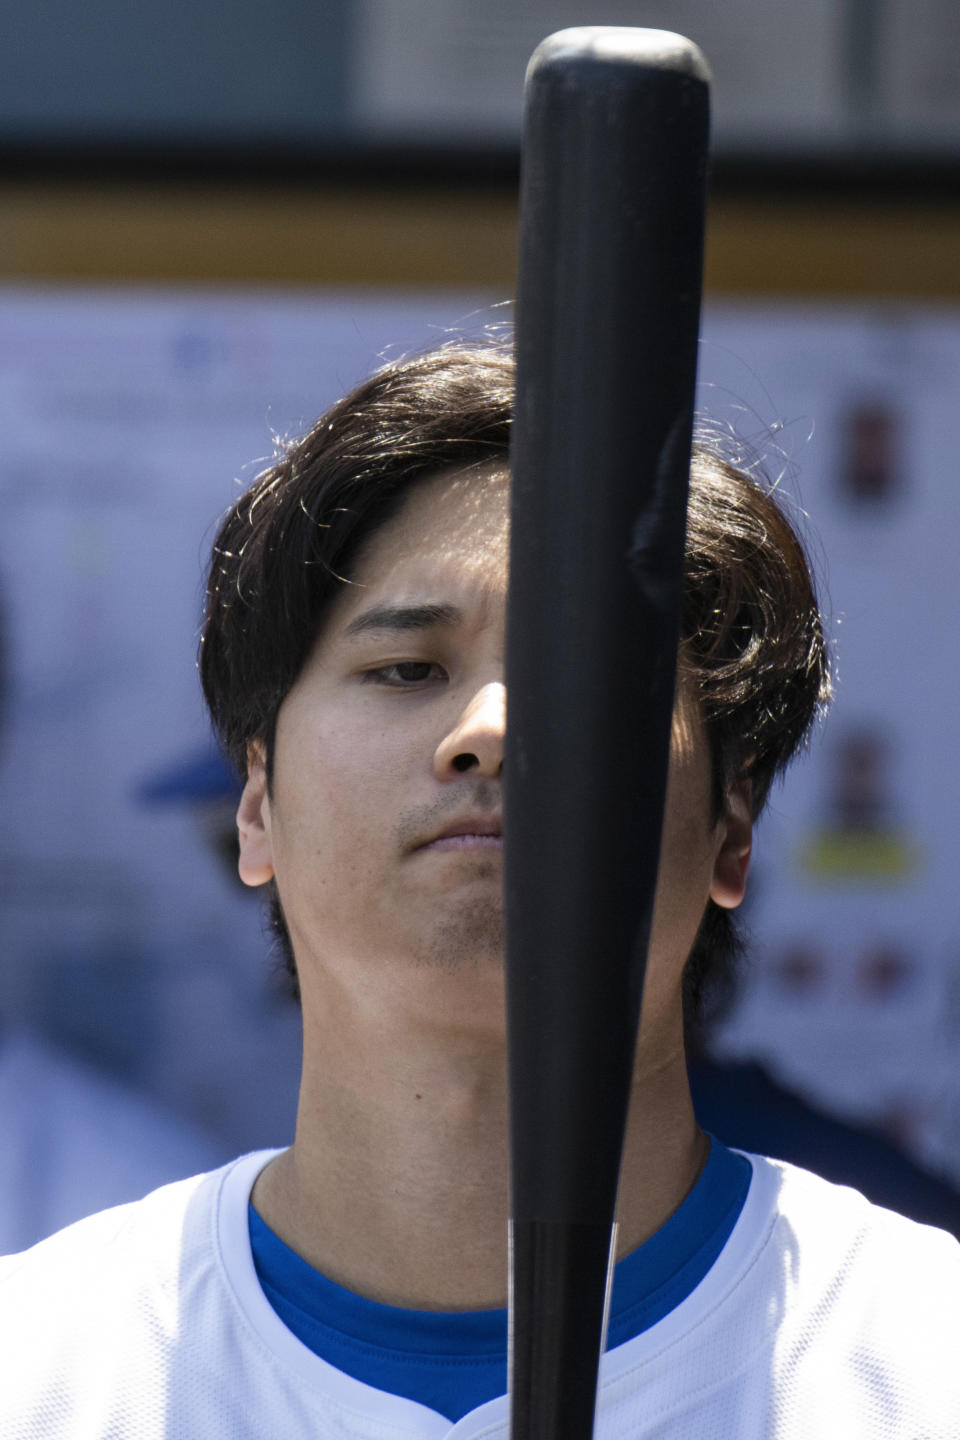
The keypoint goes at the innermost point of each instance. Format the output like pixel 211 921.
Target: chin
pixel 469 937
pixel 454 928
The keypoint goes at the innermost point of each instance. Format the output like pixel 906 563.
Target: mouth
pixel 467 840
pixel 473 832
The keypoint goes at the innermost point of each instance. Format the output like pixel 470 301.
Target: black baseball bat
pixel 611 242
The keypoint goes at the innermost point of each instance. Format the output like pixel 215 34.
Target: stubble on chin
pixel 468 937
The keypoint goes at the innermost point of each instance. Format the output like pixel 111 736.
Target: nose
pixel 475 743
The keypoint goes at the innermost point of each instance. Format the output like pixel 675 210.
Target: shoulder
pixel 809 1256
pixel 115 1251
pixel 836 1225
pixel 863 1293
pixel 822 1315
pixel 94 1313
pixel 131 1243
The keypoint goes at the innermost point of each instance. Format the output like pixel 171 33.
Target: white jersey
pixel 822 1317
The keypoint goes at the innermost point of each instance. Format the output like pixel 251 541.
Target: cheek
pixel 686 864
pixel 336 795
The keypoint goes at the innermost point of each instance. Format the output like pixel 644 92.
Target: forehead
pixel 452 531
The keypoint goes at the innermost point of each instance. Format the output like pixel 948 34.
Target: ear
pixel 735 829
pixel 253 821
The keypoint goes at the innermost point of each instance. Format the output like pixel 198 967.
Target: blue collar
pixel 454 1362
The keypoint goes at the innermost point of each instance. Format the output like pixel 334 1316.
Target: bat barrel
pixel 611 241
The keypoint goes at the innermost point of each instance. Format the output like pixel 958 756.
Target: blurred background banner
pixel 214 219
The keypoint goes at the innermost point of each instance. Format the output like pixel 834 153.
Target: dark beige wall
pixel 404 237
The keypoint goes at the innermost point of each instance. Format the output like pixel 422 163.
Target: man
pixel 353 1285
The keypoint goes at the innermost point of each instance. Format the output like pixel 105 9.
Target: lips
pixel 467 842
pixel 471 832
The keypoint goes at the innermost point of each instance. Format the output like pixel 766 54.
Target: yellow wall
pixel 405 237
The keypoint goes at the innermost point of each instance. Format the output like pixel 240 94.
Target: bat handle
pixel 561 1278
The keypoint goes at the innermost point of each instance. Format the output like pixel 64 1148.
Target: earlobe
pixel 253 822
pixel 733 857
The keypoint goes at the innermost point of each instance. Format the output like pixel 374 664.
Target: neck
pixel 396 1185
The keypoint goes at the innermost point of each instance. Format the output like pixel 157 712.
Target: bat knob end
pixel 619 45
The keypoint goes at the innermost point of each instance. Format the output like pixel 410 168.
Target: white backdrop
pixel 127 419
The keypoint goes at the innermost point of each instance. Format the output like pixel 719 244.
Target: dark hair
pixel 752 642
pixel 286 547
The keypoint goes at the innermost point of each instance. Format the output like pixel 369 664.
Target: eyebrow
pixel 404 618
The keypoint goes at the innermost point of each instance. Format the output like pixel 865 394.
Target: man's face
pixel 383 828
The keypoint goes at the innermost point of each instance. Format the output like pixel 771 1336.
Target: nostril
pixel 464 762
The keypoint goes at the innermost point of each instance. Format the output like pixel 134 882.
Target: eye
pixel 406 674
